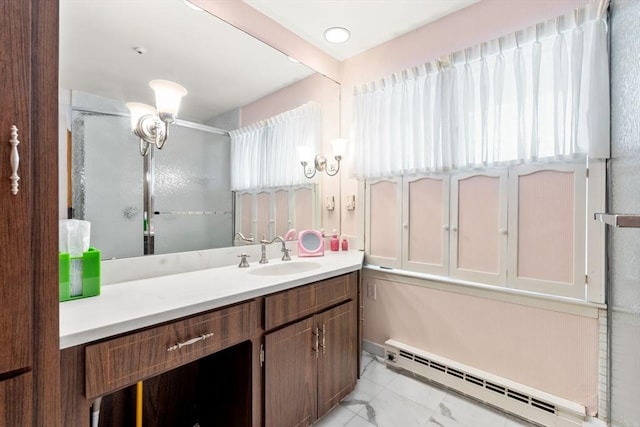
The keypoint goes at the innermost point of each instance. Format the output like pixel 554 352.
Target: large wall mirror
pixel 109 51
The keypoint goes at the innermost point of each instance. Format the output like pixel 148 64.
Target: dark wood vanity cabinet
pixel 15 410
pixel 119 362
pixel 311 363
pixel 308 365
pixel 193 369
pixel 29 387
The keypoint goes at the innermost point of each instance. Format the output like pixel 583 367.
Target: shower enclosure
pixel 172 200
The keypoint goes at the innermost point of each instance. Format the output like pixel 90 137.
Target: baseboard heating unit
pixel 534 405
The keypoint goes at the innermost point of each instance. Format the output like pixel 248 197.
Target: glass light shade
pixel 138 110
pixel 337 34
pixel 305 154
pixel 339 146
pixel 168 96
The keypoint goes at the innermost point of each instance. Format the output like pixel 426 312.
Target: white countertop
pixel 127 306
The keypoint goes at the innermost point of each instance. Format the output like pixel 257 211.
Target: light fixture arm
pixel 151 124
pixel 308 175
pixel 151 130
pixel 320 165
pixel 332 170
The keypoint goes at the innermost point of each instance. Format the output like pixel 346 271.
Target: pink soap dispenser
pixel 334 242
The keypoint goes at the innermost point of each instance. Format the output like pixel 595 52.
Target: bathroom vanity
pixel 273 345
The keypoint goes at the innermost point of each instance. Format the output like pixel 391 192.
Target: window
pixel 273 212
pixel 484 148
pixel 478 227
pixel 547 217
pixel 426 215
pixel 522 227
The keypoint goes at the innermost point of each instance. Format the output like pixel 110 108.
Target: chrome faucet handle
pixel 263 251
pixel 285 254
pixel 243 261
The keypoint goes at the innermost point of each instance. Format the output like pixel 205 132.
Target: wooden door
pixel 338 360
pixel 290 375
pixel 15 408
pixel 15 242
pixel 28 230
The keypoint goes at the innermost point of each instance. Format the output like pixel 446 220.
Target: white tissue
pixel 75 236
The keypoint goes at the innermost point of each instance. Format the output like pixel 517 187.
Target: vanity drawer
pixel 123 361
pixel 287 306
pixel 335 290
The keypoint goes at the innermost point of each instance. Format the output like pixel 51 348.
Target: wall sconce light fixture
pixel 320 164
pixel 150 124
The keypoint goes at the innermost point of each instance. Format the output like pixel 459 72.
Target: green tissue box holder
pixel 90 274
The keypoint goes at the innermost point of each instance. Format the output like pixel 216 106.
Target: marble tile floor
pixel 385 398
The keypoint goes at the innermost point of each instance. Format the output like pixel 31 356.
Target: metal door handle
pixel 14 159
pixel 190 342
pixel 316 332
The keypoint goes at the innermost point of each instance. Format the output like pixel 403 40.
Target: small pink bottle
pixel 345 244
pixel 334 242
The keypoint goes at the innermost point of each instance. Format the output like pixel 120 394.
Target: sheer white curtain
pixel 540 94
pixel 265 154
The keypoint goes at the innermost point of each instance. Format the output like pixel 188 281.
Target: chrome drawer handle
pixel 14 159
pixel 190 342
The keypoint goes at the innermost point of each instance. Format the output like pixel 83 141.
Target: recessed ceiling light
pixel 193 6
pixel 337 34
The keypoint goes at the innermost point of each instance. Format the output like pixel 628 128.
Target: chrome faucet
pixel 263 249
pixel 242 238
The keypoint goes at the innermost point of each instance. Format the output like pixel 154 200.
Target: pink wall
pixel 316 88
pixel 548 350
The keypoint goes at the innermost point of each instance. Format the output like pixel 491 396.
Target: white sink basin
pixel 285 267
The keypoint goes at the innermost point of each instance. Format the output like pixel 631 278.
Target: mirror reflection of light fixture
pixel 320 163
pixel 150 124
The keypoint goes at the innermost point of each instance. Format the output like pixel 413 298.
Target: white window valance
pixel 265 154
pixel 540 94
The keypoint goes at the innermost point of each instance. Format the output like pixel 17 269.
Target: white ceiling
pixel 221 67
pixel 371 22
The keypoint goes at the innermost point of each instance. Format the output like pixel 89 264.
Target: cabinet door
pixel 15 407
pixel 290 375
pixel 338 360
pixel 15 245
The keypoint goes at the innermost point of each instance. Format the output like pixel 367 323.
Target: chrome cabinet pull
pixel 324 333
pixel 316 332
pixel 15 160
pixel 190 342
